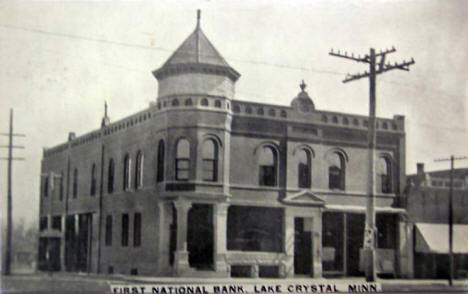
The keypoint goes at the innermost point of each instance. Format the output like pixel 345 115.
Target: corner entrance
pixel 200 236
pixel 302 246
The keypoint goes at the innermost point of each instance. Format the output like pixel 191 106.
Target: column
pixel 62 243
pixel 317 245
pixel 164 235
pixel 220 211
pixel 181 262
pixel 287 266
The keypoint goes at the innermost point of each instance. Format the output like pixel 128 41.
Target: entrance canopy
pixel 434 238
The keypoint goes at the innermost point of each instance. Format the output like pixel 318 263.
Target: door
pixel 302 246
pixel 200 236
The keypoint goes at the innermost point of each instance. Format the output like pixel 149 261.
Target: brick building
pixel 428 211
pixel 202 184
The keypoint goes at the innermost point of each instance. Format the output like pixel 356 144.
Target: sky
pixel 60 60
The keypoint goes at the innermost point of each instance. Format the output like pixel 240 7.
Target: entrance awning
pixel 434 238
pixel 362 209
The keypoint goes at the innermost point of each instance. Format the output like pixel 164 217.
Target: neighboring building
pixel 428 208
pixel 201 184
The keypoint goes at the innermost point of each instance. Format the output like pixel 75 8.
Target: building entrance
pixel 78 235
pixel 302 246
pixel 200 236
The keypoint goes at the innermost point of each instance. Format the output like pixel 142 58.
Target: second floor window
pixel 384 174
pixel 210 161
pixel 46 186
pixel 304 169
pixel 93 180
pixel 336 171
pixel 125 227
pixel 61 186
pixel 137 230
pixel 126 172
pixel 75 183
pixel 183 160
pixel 268 166
pixel 139 170
pixel 110 176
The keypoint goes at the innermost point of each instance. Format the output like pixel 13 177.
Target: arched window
pixel 248 110
pixel 217 104
pixel 126 172
pixel 160 167
pixel 271 112
pixel 188 102
pixel 260 111
pixel 204 102
pixel 336 171
pixel 110 176
pixel 283 113
pixel 175 102
pixel 75 183
pixel 61 187
pixel 304 169
pixel 236 108
pixel 92 191
pixel 355 122
pixel 335 119
pixel 183 160
pixel 384 174
pixel 46 186
pixel 210 161
pixel 268 166
pixel 139 170
pixel 324 118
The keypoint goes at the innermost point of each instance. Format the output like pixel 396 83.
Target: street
pixel 81 283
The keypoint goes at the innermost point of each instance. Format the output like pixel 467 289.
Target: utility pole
pixel 377 66
pixel 450 214
pixel 10 158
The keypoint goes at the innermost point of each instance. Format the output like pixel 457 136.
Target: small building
pixel 201 184
pixel 428 209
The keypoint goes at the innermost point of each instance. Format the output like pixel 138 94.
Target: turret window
pixel 188 102
pixel 204 102
pixel 210 161
pixel 217 104
pixel 183 160
pixel 175 102
pixel 160 167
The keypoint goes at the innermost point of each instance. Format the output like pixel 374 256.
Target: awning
pixel 362 209
pixel 434 238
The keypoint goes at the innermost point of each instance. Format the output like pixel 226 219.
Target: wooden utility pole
pixel 450 214
pixel 10 158
pixel 374 69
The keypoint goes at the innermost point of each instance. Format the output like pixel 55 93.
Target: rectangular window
pixel 209 170
pixel 125 227
pixel 109 230
pixel 43 223
pixel 304 176
pixel 57 223
pixel 137 230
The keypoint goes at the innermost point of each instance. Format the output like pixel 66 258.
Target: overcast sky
pixel 61 60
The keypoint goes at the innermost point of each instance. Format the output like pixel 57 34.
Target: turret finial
pixel 303 86
pixel 198 17
pixel 105 108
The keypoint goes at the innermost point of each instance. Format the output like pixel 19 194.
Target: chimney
pixel 420 168
pixel 71 136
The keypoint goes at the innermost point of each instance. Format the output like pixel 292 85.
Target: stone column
pixel 181 262
pixel 220 238
pixel 62 243
pixel 317 246
pixel 287 265
pixel 164 235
